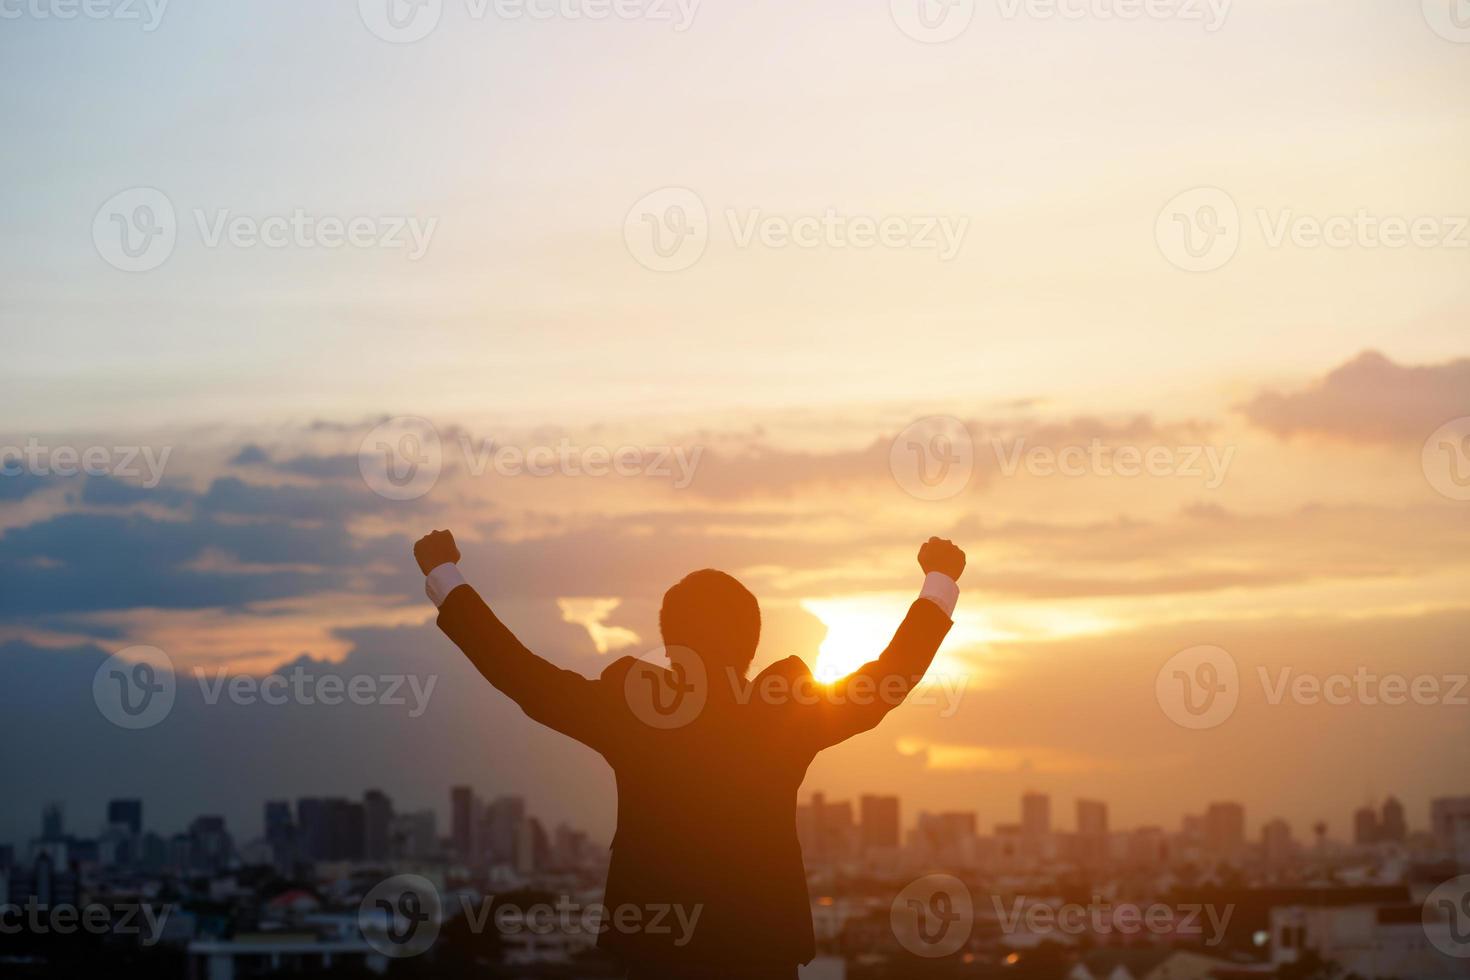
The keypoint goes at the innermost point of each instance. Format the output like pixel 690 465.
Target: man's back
pixel 706 868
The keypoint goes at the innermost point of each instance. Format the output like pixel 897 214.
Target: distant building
pixel 1392 826
pixel 126 813
pixel 377 825
pixel 1092 832
pixel 280 833
pixel 53 823
pixel 1225 829
pixel 1277 847
pixel 210 846
pixel 462 821
pixel 313 829
pixel 1449 819
pixel 828 832
pixel 346 830
pixel 1365 826
pixel 415 835
pixel 880 822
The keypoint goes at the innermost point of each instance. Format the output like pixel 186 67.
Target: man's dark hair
pixel 715 616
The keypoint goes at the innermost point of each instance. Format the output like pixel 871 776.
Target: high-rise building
pixel 280 834
pixel 1277 847
pixel 1092 817
pixel 415 835
pixel 1449 818
pixel 1225 829
pixel 462 821
pixel 210 845
pixel 53 823
pixel 1365 826
pixel 503 832
pixel 346 830
pixel 313 828
pixel 880 822
pixel 1392 826
pixel 126 813
pixel 377 825
pixel 1092 832
pixel 1035 815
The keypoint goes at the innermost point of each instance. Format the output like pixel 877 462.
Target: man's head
pixel 715 616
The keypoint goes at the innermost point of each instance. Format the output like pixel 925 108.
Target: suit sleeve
pixel 859 701
pixel 562 700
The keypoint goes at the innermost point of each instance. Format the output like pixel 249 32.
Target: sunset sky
pixel 1303 380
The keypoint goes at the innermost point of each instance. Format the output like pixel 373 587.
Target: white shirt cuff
pixel 941 590
pixel 442 581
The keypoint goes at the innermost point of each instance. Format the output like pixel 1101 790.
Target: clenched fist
pixel 438 548
pixel 941 555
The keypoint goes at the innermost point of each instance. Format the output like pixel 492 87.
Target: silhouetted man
pixel 708 764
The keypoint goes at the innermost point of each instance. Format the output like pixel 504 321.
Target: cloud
pixel 1369 399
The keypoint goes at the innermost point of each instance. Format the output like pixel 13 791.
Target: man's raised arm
pixel 560 699
pixel 860 700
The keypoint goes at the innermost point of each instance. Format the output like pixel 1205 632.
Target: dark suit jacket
pixel 706 812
